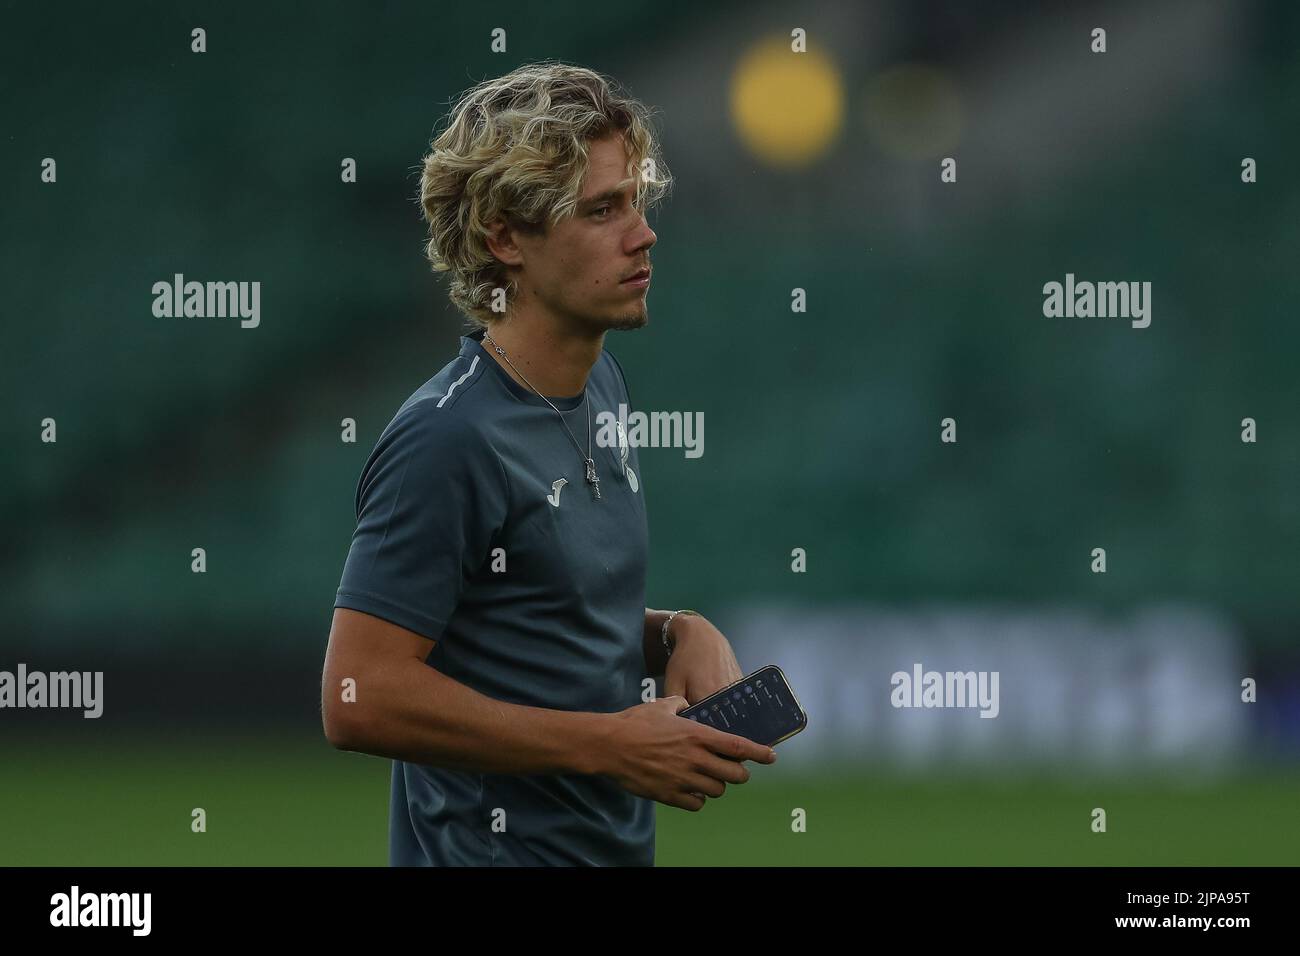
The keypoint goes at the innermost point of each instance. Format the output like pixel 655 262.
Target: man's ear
pixel 501 243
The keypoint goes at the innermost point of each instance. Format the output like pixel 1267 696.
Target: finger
pixel 685 801
pixel 703 785
pixel 678 704
pixel 720 768
pixel 737 747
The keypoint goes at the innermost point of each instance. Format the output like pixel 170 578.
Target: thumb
pixel 678 704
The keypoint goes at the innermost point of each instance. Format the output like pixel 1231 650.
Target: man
pixel 490 633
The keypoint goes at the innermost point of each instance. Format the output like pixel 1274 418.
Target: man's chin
pixel 625 323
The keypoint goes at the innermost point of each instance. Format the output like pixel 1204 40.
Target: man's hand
pixel 702 661
pixel 652 752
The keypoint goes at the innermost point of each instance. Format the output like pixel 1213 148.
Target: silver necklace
pixel 587 460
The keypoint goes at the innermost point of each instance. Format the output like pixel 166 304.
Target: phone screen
pixel 760 707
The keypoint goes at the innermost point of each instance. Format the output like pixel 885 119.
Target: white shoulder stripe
pixel 472 366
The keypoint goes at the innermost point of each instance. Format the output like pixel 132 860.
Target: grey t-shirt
pixel 477 529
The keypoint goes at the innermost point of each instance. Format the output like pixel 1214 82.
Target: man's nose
pixel 643 237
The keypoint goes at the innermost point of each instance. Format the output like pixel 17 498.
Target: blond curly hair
pixel 515 148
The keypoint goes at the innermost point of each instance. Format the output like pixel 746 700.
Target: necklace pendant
pixel 592 479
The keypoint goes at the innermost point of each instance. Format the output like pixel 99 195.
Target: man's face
pixel 576 272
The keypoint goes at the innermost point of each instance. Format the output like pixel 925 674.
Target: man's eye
pixel 600 210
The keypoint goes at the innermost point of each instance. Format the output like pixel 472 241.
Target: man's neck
pixel 553 362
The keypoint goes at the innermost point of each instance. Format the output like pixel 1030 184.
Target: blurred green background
pixel 818 171
pixel 277 803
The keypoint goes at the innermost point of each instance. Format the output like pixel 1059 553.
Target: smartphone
pixel 761 707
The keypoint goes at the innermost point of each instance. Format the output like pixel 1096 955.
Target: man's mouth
pixel 641 275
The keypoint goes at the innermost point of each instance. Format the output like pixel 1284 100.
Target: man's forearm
pixel 418 714
pixel 656 656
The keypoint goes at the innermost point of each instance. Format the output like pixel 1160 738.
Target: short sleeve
pixel 430 500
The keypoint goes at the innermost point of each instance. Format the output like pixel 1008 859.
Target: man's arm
pixel 702 661
pixel 656 657
pixel 406 710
